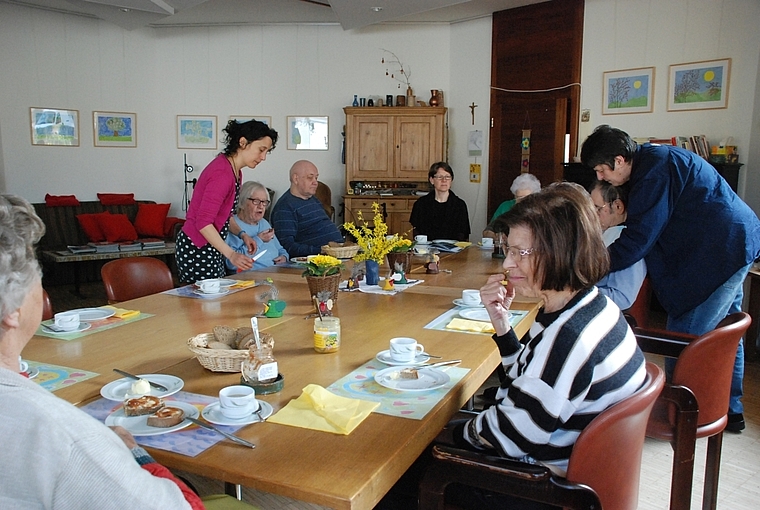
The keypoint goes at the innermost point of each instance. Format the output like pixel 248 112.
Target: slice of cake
pixel 166 417
pixel 147 404
pixel 406 373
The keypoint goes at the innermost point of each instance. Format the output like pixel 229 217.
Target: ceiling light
pixel 124 9
pixel 375 9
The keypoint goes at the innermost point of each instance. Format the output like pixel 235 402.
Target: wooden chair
pixel 47 306
pixel 695 403
pixel 135 277
pixel 595 478
pixel 324 195
pixel 639 310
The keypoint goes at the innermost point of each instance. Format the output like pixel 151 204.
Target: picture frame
pixel 54 126
pixel 699 85
pixel 308 133
pixel 196 132
pixel 114 129
pixel 628 91
pixel 261 118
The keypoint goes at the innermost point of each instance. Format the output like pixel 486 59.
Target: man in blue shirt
pixel 302 225
pixel 697 236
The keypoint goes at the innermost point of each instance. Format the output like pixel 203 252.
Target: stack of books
pixel 130 246
pixel 152 243
pixel 85 248
pixel 105 247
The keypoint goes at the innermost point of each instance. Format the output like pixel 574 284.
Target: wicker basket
pixel 341 251
pixel 216 360
pixel 324 283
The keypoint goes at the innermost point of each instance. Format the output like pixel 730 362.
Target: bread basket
pixel 216 360
pixel 341 251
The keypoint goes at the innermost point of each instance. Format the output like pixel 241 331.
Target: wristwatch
pixel 240 234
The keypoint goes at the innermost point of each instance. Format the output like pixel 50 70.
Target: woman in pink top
pixel 201 249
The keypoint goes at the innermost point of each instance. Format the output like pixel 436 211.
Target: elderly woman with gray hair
pixel 524 184
pixel 55 455
pixel 249 216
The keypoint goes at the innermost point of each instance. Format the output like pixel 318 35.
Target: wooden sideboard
pixel 395 210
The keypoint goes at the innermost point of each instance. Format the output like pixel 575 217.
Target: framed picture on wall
pixel 628 91
pixel 308 133
pixel 245 118
pixel 196 132
pixel 114 129
pixel 54 126
pixel 699 85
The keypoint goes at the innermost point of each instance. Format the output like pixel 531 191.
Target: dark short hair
pixel 443 166
pixel 567 237
pixel 611 193
pixel 604 145
pixel 251 130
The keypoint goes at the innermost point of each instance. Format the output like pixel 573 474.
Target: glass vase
pixel 372 276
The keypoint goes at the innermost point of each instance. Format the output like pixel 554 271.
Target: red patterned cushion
pixel 91 226
pixel 150 219
pixel 117 227
pixel 116 198
pixel 60 200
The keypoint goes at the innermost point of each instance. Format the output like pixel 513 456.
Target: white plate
pixel 138 425
pixel 419 243
pixel 32 372
pixel 459 302
pixel 298 260
pixel 211 294
pixel 475 314
pixel 94 314
pixel 118 389
pixel 226 282
pixel 448 241
pixel 83 326
pixel 212 414
pixel 385 357
pixel 429 379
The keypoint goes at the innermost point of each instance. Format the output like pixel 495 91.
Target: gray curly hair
pixel 246 191
pixel 20 230
pixel 525 181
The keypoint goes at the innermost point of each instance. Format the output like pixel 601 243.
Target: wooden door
pixel 370 147
pixel 416 147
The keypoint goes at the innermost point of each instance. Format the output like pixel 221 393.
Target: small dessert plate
pixel 213 414
pixel 475 314
pixel 119 389
pixel 459 302
pixel 138 425
pixel 385 357
pixel 94 314
pixel 83 326
pixel 427 379
pixel 222 292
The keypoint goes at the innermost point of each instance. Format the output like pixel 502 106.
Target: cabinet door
pixel 369 147
pixel 418 145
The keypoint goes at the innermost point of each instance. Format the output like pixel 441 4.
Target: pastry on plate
pixel 147 404
pixel 406 373
pixel 166 417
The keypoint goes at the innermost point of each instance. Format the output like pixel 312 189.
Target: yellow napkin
pixel 121 313
pixel 242 284
pixel 462 244
pixel 468 325
pixel 318 409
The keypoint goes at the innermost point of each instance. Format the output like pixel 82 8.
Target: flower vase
pixel 319 284
pixel 435 99
pixel 404 259
pixel 410 99
pixel 372 275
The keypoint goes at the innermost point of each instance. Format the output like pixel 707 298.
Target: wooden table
pixel 353 471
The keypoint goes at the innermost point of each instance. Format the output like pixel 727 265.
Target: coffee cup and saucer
pixel 403 351
pixel 237 405
pixel 470 299
pixel 421 240
pixel 212 287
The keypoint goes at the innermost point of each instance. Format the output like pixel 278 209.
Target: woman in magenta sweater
pixel 201 249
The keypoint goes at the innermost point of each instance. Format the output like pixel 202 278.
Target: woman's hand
pixel 497 299
pixel 125 436
pixel 267 235
pixel 280 260
pixel 240 261
pixel 249 242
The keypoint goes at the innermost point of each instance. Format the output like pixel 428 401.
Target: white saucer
pixel 459 302
pixel 212 414
pixel 32 372
pixel 118 389
pixel 221 293
pixel 83 326
pixel 422 244
pixel 385 357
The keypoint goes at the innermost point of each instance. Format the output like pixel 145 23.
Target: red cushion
pixel 116 198
pixel 150 219
pixel 60 200
pixel 91 226
pixel 117 227
pixel 169 223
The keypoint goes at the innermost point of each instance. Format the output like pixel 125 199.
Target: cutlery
pixel 225 434
pixel 258 255
pixel 53 328
pixel 430 355
pixel 131 376
pixel 257 412
pixel 442 363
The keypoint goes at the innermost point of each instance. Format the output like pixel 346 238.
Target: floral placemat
pixel 189 441
pixel 415 405
pixel 440 322
pixel 95 327
pixel 188 291
pixel 54 377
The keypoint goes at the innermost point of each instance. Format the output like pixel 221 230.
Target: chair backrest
pixel 607 454
pixel 639 310
pixel 47 306
pixel 706 365
pixel 268 210
pixel 135 277
pixel 324 195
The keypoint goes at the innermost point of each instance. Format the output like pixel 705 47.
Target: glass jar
pixel 261 366
pixel 326 334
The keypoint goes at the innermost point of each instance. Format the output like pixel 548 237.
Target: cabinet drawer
pixel 397 205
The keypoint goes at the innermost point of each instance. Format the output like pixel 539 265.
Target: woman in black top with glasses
pixel 441 214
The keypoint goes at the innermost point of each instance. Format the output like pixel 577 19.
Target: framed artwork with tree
pixel 699 85
pixel 628 91
pixel 114 129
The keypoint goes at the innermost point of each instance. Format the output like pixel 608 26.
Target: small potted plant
pixel 323 274
pixel 400 257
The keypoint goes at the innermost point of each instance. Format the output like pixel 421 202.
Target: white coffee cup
pixel 23 366
pixel 237 401
pixel 209 286
pixel 404 349
pixel 421 239
pixel 471 297
pixel 487 241
pixel 67 321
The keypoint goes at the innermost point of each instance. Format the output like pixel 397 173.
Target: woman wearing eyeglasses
pixel 249 216
pixel 441 214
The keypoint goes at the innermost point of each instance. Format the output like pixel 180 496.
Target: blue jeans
pixel 727 299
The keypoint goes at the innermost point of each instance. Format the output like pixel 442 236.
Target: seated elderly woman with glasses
pixel 253 202
pixel 579 358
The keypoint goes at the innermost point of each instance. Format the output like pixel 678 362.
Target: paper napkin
pixel 462 244
pixel 242 284
pixel 469 325
pixel 122 313
pixel 319 409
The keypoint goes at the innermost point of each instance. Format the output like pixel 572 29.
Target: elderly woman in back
pixel 55 455
pixel 524 184
pixel 254 199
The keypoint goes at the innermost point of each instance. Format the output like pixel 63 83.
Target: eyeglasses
pixel 518 253
pixel 258 202
pixel 442 177
pixel 600 208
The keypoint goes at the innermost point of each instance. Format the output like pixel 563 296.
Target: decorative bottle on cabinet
pixel 410 100
pixel 435 99
pixel 356 100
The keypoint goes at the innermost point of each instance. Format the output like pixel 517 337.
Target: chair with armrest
pixel 595 479
pixel 135 277
pixel 324 195
pixel 639 310
pixel 694 405
pixel 47 306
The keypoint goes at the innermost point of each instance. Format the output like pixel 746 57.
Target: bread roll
pixel 226 335
pixel 147 404
pixel 166 417
pixel 246 341
pixel 219 345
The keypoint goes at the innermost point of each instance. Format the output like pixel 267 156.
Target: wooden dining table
pixel 338 471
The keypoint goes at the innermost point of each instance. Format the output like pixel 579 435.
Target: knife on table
pixel 225 434
pixel 132 376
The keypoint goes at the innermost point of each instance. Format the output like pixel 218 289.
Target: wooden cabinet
pixel 393 144
pixel 395 210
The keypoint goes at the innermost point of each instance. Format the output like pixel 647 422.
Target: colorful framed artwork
pixel 114 129
pixel 260 118
pixel 628 91
pixel 307 133
pixel 53 126
pixel 196 132
pixel 699 85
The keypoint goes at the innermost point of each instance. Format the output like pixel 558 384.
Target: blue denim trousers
pixel 727 299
